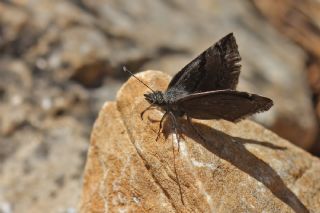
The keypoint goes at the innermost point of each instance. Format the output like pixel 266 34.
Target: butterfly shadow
pixel 233 150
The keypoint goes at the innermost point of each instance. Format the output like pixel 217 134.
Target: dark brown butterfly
pixel 205 89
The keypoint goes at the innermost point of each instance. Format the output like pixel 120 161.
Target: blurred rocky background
pixel 61 60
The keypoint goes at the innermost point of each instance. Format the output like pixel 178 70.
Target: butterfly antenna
pixel 126 70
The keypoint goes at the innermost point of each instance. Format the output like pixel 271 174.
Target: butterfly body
pixel 165 101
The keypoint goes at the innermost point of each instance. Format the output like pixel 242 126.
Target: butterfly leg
pixel 160 125
pixel 142 113
pixel 196 130
pixel 176 128
pixel 173 118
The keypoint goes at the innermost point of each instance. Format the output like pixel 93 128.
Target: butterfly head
pixel 155 97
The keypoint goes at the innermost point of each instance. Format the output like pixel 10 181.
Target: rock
pixel 131 171
pixel 43 138
pixel 56 36
pixel 16 83
pixel 15 23
pixel 299 21
pixel 43 169
pixel 243 168
pixel 72 48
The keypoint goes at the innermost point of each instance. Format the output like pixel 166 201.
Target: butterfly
pixel 206 89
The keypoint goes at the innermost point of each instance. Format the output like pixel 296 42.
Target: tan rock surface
pixel 245 168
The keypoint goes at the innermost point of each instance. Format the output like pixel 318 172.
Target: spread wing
pixel 230 105
pixel 216 68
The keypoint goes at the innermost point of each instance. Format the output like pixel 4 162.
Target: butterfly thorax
pixel 164 101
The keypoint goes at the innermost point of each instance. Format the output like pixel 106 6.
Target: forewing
pixel 216 68
pixel 230 105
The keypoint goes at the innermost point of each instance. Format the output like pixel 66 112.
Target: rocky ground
pixel 61 60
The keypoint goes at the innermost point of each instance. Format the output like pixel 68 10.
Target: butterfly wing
pixel 216 68
pixel 230 105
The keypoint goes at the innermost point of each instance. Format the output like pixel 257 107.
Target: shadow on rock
pixel 232 149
